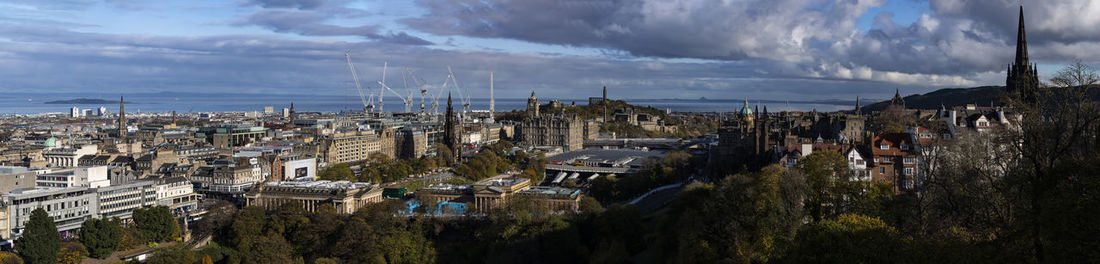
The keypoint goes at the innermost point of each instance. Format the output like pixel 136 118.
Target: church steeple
pixel 897 100
pixel 450 135
pixel 1023 77
pixel 1021 41
pixel 121 117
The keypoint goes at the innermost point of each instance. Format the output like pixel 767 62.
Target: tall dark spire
pixel 1021 42
pixel 857 105
pixel 1023 77
pixel 897 100
pixel 121 117
pixel 450 137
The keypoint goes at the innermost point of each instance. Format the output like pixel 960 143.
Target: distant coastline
pixel 84 101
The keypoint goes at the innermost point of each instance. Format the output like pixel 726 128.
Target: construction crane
pixel 442 88
pixel 492 99
pixel 461 96
pixel 421 85
pixel 381 91
pixel 407 101
pixel 355 76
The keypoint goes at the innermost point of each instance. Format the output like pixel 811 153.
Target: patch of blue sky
pixel 905 13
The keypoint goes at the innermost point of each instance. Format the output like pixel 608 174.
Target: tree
pixel 101 236
pixel 172 255
pixel 338 172
pixel 847 239
pixel 247 226
pixel 131 238
pixel 9 258
pixel 745 218
pixel 824 170
pixel 40 241
pixel 324 261
pixel 271 248
pixel 157 224
pixel 1057 133
pixel 71 253
pixel 1076 75
pixel 617 234
pixel 207 260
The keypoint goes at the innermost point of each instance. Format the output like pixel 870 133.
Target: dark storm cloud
pixel 32 57
pixel 310 21
pixel 303 23
pixel 299 4
pixel 960 40
pixel 310 24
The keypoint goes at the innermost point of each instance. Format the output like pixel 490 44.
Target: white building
pixel 176 193
pixel 92 177
pixel 294 169
pixel 102 111
pixel 74 112
pixel 858 165
pixel 69 207
pixel 68 157
pixel 121 200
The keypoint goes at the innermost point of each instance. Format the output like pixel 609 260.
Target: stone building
pixel 410 143
pixel 566 131
pixel 494 192
pixel 68 157
pixel 350 146
pixel 561 130
pixel 345 197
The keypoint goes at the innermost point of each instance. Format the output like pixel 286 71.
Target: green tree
pixel 338 172
pixel 248 225
pixel 745 218
pixel 324 261
pixel 157 224
pixel 131 238
pixel 271 248
pixel 71 253
pixel 617 234
pixel 9 258
pixel 40 241
pixel 824 170
pixel 847 239
pixel 178 254
pixel 101 236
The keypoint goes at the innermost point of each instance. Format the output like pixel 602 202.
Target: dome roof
pixel 746 110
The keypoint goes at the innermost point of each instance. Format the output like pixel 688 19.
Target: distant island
pixel 84 101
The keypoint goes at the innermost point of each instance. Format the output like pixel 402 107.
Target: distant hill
pixel 982 96
pixel 84 101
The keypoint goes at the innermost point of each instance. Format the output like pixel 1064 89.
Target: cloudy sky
pixel 765 49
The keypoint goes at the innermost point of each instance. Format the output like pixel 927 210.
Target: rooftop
pixel 621 157
pixel 502 181
pixel 319 185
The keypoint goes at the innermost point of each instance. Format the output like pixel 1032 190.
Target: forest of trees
pixel 99 238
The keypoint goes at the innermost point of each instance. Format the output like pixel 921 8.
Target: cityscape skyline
pixel 812 50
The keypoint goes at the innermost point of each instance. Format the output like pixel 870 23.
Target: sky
pixel 687 49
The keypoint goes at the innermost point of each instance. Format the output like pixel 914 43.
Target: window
pixel 904 147
pixel 910 160
pixel 884 146
pixel 882 170
pixel 908 171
